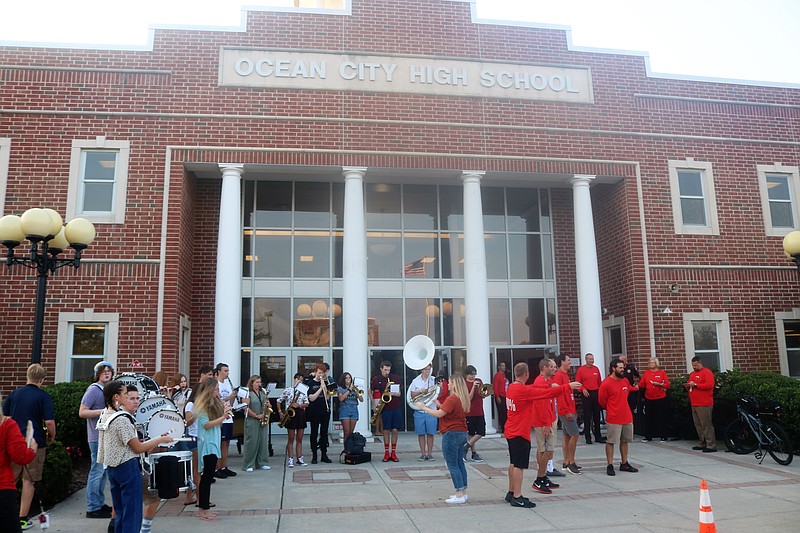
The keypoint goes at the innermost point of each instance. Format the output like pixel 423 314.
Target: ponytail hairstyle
pixel 459 387
pixel 111 389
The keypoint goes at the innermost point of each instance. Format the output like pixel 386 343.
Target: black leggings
pixel 319 431
pixel 204 491
pixel 9 511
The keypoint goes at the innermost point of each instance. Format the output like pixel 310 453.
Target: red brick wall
pixel 174 101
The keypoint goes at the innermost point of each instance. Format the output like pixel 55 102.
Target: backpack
pixel 355 443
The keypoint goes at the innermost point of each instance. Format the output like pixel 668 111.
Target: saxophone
pixel 289 414
pixel 386 397
pixel 266 410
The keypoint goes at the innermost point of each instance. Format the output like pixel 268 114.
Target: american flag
pixel 416 268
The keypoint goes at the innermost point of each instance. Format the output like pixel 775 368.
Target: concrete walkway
pixel 409 496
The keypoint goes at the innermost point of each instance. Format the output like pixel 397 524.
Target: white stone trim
pixel 5 156
pixel 783 356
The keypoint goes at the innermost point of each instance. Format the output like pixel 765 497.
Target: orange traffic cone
pixel 706 514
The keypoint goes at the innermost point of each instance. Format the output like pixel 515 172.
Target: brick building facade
pixel 692 184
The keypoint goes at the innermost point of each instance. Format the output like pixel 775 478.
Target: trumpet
pixel 359 392
pixel 386 397
pixel 486 390
pixel 290 412
pixel 266 410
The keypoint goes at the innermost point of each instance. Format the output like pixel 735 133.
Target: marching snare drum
pixel 146 385
pixel 184 467
pixel 151 405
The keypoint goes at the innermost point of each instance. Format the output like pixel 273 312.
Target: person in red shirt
pixel 392 414
pixel 589 376
pixel 13 449
pixel 568 415
pixel 701 395
pixel 500 384
pixel 519 406
pixel 542 420
pixel 453 427
pixel 476 423
pixel 655 384
pixel 613 397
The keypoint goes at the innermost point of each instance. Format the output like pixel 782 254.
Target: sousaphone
pixel 417 354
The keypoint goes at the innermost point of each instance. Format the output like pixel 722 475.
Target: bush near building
pixel 732 385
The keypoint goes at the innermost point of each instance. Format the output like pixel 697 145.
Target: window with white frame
pixel 85 339
pixel 694 204
pixel 788 334
pixel 708 336
pixel 614 336
pixel 98 180
pixel 5 154
pixel 780 187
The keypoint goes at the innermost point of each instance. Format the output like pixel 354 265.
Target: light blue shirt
pixel 208 440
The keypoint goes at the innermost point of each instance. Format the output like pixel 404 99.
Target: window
pixel 694 206
pixel 708 335
pixel 788 333
pixel 5 152
pixel 84 339
pixel 614 336
pixel 780 188
pixel 98 180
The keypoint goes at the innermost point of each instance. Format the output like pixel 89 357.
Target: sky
pixel 731 39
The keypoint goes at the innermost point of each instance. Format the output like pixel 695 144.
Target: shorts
pixel 348 411
pixel 392 419
pixel 519 452
pixel 570 427
pixel 227 431
pixel 33 470
pixel 476 425
pixel 298 421
pixel 545 444
pixel 616 433
pixel 425 424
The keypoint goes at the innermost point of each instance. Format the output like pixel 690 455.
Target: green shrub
pixel 70 428
pixel 57 475
pixel 731 385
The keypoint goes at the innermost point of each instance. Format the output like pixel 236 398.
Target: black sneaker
pixel 709 450
pixel 106 507
pixel 509 496
pixel 100 513
pixel 550 484
pixel 698 448
pixel 610 470
pixel 541 485
pixel 220 474
pixel 626 467
pixel 523 502
pixel 111 526
pixel 573 469
pixel 229 472
pixel 601 440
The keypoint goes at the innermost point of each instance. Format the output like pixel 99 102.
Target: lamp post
pixel 791 245
pixel 49 237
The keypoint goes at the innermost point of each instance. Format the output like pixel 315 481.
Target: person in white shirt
pixel 227 394
pixel 425 425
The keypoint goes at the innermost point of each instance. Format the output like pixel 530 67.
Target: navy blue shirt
pixel 30 403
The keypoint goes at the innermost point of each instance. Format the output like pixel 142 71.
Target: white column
pixel 354 280
pixel 590 315
pixel 476 296
pixel 228 296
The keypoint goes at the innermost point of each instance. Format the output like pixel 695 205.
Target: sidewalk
pixel 409 496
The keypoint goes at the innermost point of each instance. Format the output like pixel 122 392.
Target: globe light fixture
pixel 791 246
pixel 48 237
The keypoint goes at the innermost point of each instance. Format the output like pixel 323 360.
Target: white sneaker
pixel 301 462
pixel 290 463
pixel 456 499
pixel 249 470
pixel 265 467
pixel 466 497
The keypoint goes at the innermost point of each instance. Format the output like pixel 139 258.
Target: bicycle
pixel 756 430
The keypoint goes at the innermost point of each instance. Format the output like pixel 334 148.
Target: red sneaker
pixel 394 457
pixel 386 457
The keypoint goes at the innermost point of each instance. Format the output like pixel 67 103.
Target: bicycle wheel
pixel 739 438
pixel 779 445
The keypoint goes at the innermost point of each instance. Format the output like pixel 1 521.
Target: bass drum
pixel 166 422
pixel 146 385
pixel 150 406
